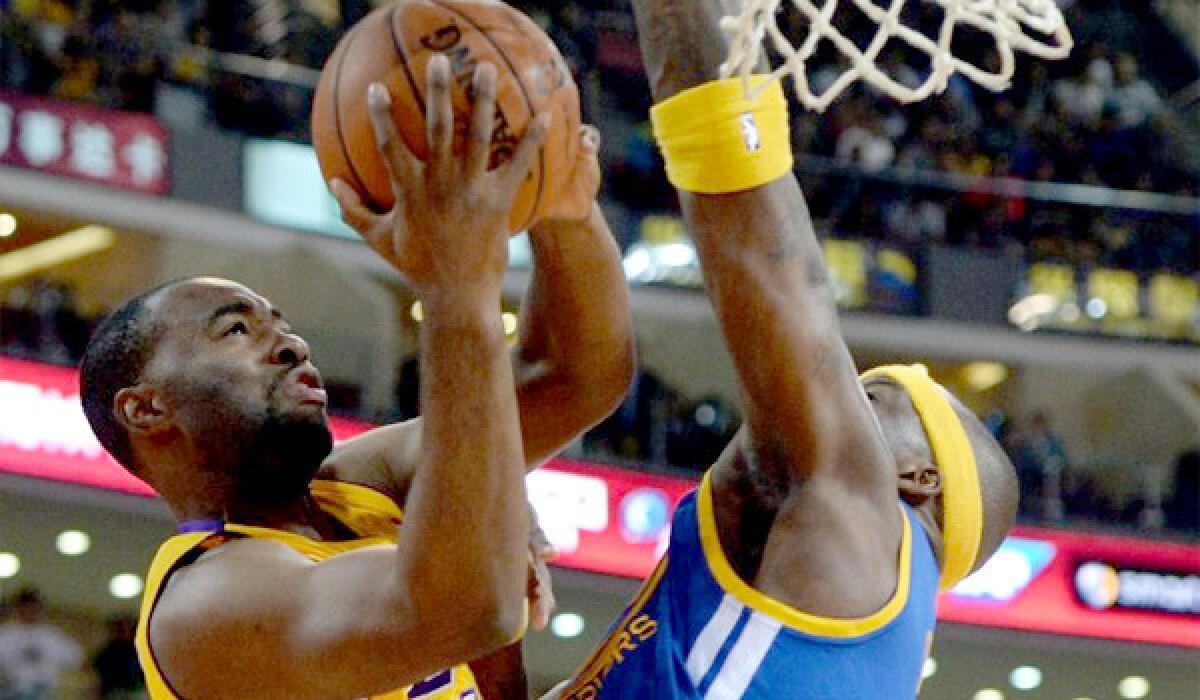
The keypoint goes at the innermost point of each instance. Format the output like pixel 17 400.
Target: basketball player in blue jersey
pixel 282 585
pixel 807 563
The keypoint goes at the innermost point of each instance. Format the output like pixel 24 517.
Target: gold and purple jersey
pixel 372 516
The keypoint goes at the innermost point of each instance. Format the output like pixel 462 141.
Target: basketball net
pixel 1007 21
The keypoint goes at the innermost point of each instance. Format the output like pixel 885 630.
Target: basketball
pixel 393 45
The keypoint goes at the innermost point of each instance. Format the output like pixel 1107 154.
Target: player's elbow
pixel 491 621
pixel 614 379
pixel 599 387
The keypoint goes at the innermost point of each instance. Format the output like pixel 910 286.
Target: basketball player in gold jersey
pixel 831 520
pixel 282 585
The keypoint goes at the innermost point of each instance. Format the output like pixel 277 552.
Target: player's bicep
pixel 255 619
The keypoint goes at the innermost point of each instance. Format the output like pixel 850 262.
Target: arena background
pixel 1038 250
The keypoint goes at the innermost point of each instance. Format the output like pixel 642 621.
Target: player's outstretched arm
pixel 764 272
pixel 255 619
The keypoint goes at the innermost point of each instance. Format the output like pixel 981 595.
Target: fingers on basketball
pixel 401 164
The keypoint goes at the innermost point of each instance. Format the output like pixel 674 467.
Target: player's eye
pixel 238 328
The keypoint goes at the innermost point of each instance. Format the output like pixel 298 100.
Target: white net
pixel 1035 27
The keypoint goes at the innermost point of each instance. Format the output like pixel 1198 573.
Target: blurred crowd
pixel 39 320
pixel 1095 119
pixel 39 660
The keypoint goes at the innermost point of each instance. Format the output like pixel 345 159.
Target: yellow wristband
pixel 714 140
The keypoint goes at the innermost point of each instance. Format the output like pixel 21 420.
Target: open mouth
pixel 306 386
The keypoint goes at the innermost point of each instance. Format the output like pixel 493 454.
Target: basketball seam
pixel 337 118
pixel 400 54
pixel 524 93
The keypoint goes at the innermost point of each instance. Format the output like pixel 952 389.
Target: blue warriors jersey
pixel 696 630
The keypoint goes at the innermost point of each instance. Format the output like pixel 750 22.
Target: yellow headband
pixel 962 501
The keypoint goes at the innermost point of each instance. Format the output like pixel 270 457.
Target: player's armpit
pixel 382 458
pixel 254 619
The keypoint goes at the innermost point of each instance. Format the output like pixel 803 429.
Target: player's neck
pixel 300 515
pixel 222 502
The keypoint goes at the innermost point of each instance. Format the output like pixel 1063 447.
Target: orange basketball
pixel 393 45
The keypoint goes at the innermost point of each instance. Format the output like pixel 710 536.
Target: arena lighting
pixel 567 625
pixel 988 694
pixel 1096 308
pixel 55 251
pixel 1133 687
pixel 1025 677
pixel 654 262
pixel 929 667
pixel 10 564
pixel 510 322
pixel 8 225
pixel 1024 314
pixel 125 586
pixel 72 543
pixel 982 376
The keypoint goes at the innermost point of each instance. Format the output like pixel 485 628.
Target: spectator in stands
pixel 1135 99
pixel 867 145
pixel 34 653
pixel 1182 507
pixel 1042 465
pixel 116 664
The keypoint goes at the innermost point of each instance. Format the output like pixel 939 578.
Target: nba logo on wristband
pixel 750 131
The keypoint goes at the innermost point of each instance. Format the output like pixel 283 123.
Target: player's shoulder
pixel 200 592
pixel 236 562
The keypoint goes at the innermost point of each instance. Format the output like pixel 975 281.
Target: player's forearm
pixel 501 675
pixel 467 524
pixel 575 355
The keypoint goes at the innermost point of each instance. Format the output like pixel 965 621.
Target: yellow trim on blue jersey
pixel 591 666
pixel 817 625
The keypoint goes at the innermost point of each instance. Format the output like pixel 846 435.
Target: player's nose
pixel 289 349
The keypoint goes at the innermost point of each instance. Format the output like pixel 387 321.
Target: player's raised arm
pixel 257 620
pixel 762 265
pixel 574 356
pixel 574 359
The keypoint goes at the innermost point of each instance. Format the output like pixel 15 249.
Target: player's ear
pixel 142 410
pixel 920 481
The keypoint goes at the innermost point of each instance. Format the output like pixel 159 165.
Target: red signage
pixel 123 149
pixel 616 521
pixel 1085 585
pixel 605 519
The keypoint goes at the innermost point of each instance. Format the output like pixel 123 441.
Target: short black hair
pixel 115 358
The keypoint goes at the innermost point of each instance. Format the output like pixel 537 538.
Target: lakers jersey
pixel 696 630
pixel 366 512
